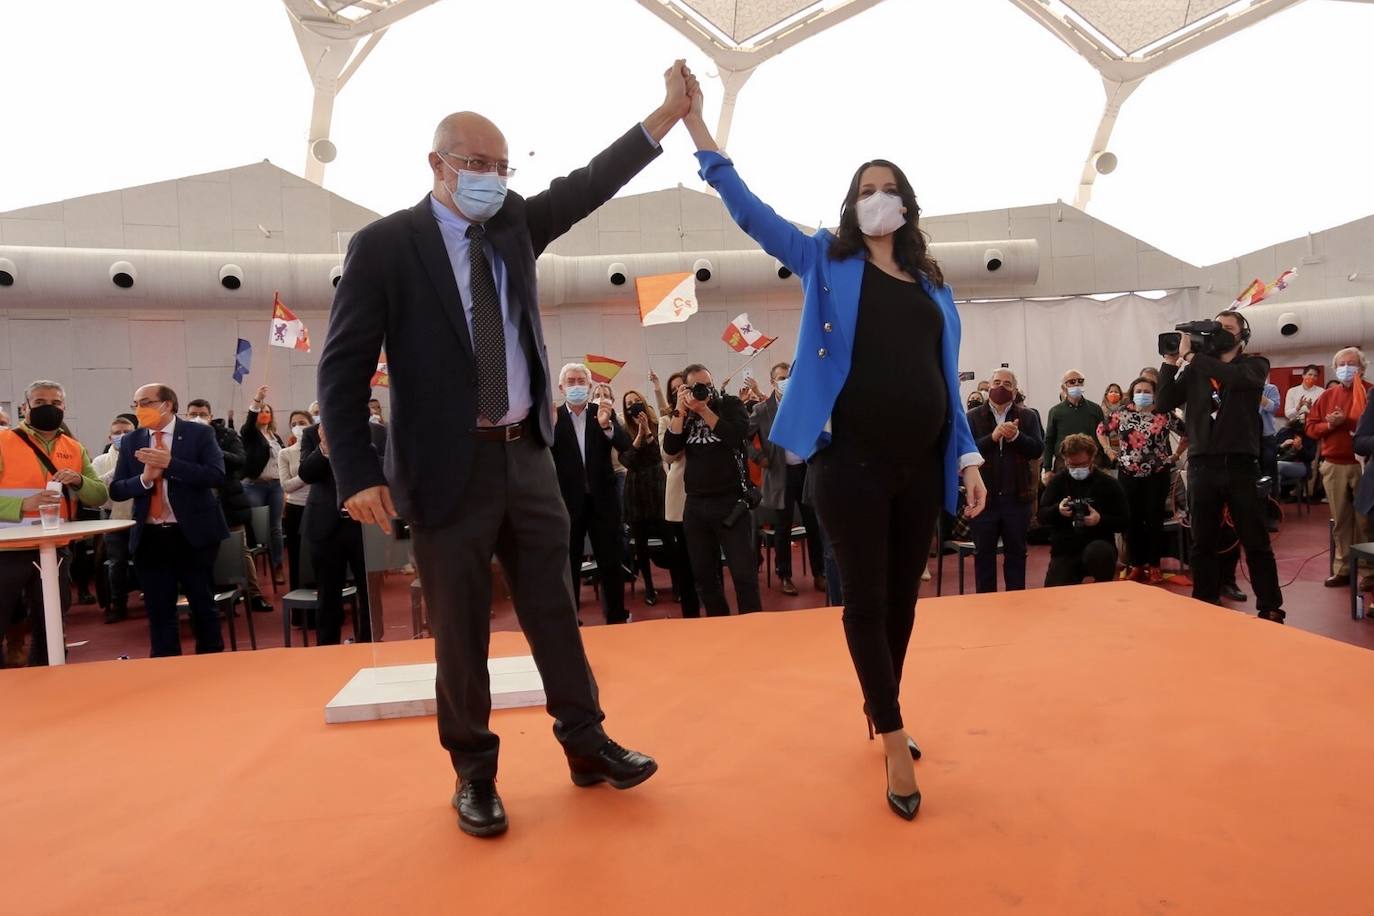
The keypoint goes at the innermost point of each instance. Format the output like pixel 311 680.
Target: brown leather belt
pixel 511 433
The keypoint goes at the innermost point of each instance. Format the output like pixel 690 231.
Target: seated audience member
pixel 1144 462
pixel 335 542
pixel 1297 453
pixel 40 466
pixel 710 428
pixel 1085 509
pixel 261 445
pixel 115 544
pixel 374 411
pixel 784 486
pixel 1009 440
pixel 1332 421
pixel 584 434
pixel 232 498
pixel 171 469
pixel 297 494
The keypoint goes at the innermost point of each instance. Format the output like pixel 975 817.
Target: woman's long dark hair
pixel 910 245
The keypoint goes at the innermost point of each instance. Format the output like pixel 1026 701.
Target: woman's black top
pixel 894 401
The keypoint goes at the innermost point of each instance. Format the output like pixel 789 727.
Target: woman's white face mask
pixel 880 213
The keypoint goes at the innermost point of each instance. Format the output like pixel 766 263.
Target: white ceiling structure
pixel 1124 40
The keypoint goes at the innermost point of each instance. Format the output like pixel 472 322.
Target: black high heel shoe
pixel 904 806
pixel 910 743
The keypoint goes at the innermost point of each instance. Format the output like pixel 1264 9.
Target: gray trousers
pixel 512 510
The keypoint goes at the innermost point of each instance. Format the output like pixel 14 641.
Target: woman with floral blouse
pixel 1144 462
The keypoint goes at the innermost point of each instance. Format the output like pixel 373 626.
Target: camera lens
pixel 701 391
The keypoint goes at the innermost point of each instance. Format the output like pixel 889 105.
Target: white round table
pixel 46 542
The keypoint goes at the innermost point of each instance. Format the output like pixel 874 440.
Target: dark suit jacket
pixel 761 448
pixel 310 439
pixel 1364 445
pixel 193 477
pixel 1008 462
pixel 322 519
pixel 573 476
pixel 398 290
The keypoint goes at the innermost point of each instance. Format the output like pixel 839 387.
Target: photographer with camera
pixel 710 427
pixel 1084 509
pixel 1219 387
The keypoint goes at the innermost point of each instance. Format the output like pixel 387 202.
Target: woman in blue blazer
pixel 873 403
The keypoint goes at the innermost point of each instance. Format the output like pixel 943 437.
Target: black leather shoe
pixel 904 806
pixel 480 812
pixel 262 605
pixel 622 768
pixel 651 598
pixel 1338 581
pixel 1232 593
pixel 1276 616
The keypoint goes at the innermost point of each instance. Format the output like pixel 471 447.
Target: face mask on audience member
pixel 115 440
pixel 1076 391
pixel 1143 399
pixel 1345 374
pixel 148 417
pixel 577 395
pixel 781 385
pixel 1080 473
pixel 203 421
pixel 1000 396
pixel 880 214
pixel 1113 397
pixel 46 418
pixel 299 431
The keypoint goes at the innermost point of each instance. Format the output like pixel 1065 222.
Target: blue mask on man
pixel 479 195
pixel 577 395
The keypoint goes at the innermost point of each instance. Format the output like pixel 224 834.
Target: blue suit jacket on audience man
pixel 195 473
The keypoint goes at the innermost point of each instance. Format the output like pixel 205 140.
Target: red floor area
pixel 1301 549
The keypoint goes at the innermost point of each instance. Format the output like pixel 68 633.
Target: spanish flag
pixel 666 298
pixel 603 368
pixel 382 377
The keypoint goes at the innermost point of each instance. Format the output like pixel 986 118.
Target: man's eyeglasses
pixel 146 402
pixel 477 164
pixel 1074 381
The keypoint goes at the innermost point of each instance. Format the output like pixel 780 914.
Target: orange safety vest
pixel 23 471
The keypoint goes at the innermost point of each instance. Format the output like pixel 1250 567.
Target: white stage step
pixel 399 691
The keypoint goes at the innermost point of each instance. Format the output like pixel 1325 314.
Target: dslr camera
pixel 701 391
pixel 1207 337
pixel 633 411
pixel 1080 509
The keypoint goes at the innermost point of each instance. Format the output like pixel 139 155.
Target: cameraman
pixel 1220 392
pixel 1084 509
pixel 710 427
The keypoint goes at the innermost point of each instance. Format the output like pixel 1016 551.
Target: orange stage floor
pixel 1107 749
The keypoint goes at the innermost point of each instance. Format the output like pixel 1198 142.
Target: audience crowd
pixel 684 479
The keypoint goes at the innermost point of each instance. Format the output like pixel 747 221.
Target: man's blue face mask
pixel 479 195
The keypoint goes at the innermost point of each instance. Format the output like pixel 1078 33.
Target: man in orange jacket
pixel 34 455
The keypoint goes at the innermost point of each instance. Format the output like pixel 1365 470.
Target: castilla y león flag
pixel 666 298
pixel 382 377
pixel 603 368
pixel 744 338
pixel 287 330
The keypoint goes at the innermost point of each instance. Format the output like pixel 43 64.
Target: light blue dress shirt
pixel 454 230
pixel 1271 391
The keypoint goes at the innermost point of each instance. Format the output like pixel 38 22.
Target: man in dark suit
pixel 1009 439
pixel 335 543
pixel 583 437
pixel 784 486
pixel 449 287
pixel 170 469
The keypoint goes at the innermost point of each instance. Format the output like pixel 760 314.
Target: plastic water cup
pixel 50 516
